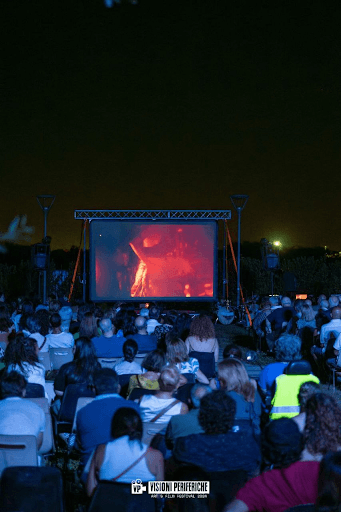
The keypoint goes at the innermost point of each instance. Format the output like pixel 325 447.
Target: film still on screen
pixel 142 259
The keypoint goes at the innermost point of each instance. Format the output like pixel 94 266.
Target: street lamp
pixel 45 202
pixel 270 258
pixel 239 203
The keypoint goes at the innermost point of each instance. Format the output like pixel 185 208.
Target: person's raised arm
pixel 201 377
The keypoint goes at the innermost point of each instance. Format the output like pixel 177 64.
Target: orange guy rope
pixel 235 266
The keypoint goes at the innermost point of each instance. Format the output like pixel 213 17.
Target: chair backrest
pixel 124 383
pixel 108 362
pixel 139 357
pixel 109 493
pixel 124 379
pixel 190 377
pixel 298 368
pixel 19 450
pixel 151 429
pixel 44 359
pixel 35 390
pixel 206 362
pixel 138 392
pixel 81 402
pixel 31 489
pixel 60 356
pixel 48 441
pixel 69 403
pixel 183 393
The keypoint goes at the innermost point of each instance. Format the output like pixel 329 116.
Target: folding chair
pixel 70 438
pixel 68 406
pixel 44 359
pixel 19 450
pixel 48 442
pixel 190 377
pixel 139 357
pixel 60 356
pixel 35 390
pixel 183 393
pixel 138 392
pixel 31 489
pixel 108 362
pixel 124 383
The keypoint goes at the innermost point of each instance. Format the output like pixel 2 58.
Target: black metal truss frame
pixel 153 214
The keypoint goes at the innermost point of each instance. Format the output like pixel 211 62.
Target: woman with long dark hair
pixel 202 336
pixel 79 371
pixel 21 355
pixel 88 326
pixel 125 458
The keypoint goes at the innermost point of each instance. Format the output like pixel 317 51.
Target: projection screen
pixel 162 260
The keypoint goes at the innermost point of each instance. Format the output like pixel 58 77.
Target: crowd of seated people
pixel 272 432
pixel 317 325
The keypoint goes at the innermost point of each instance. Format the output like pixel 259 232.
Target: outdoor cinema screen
pixel 133 259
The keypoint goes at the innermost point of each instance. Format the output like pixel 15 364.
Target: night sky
pixel 173 105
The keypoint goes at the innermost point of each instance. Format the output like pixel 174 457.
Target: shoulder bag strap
pixel 131 465
pixel 166 409
pixel 43 343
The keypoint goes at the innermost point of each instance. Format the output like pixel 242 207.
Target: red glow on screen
pixel 153 260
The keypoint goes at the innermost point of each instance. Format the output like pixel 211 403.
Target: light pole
pixel 239 202
pixel 45 202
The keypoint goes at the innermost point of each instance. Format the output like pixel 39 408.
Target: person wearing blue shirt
pixel 146 342
pixel 94 420
pixel 108 345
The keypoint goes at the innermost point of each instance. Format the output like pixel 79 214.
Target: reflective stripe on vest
pixel 285 402
pixel 285 409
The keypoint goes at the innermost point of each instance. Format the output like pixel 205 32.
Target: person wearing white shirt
pixel 22 356
pixel 19 416
pixel 152 321
pixel 334 326
pixel 58 338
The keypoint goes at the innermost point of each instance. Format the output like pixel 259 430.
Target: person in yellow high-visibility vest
pixel 285 401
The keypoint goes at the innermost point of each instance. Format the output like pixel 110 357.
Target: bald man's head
pixel 141 323
pixel 106 326
pixel 336 313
